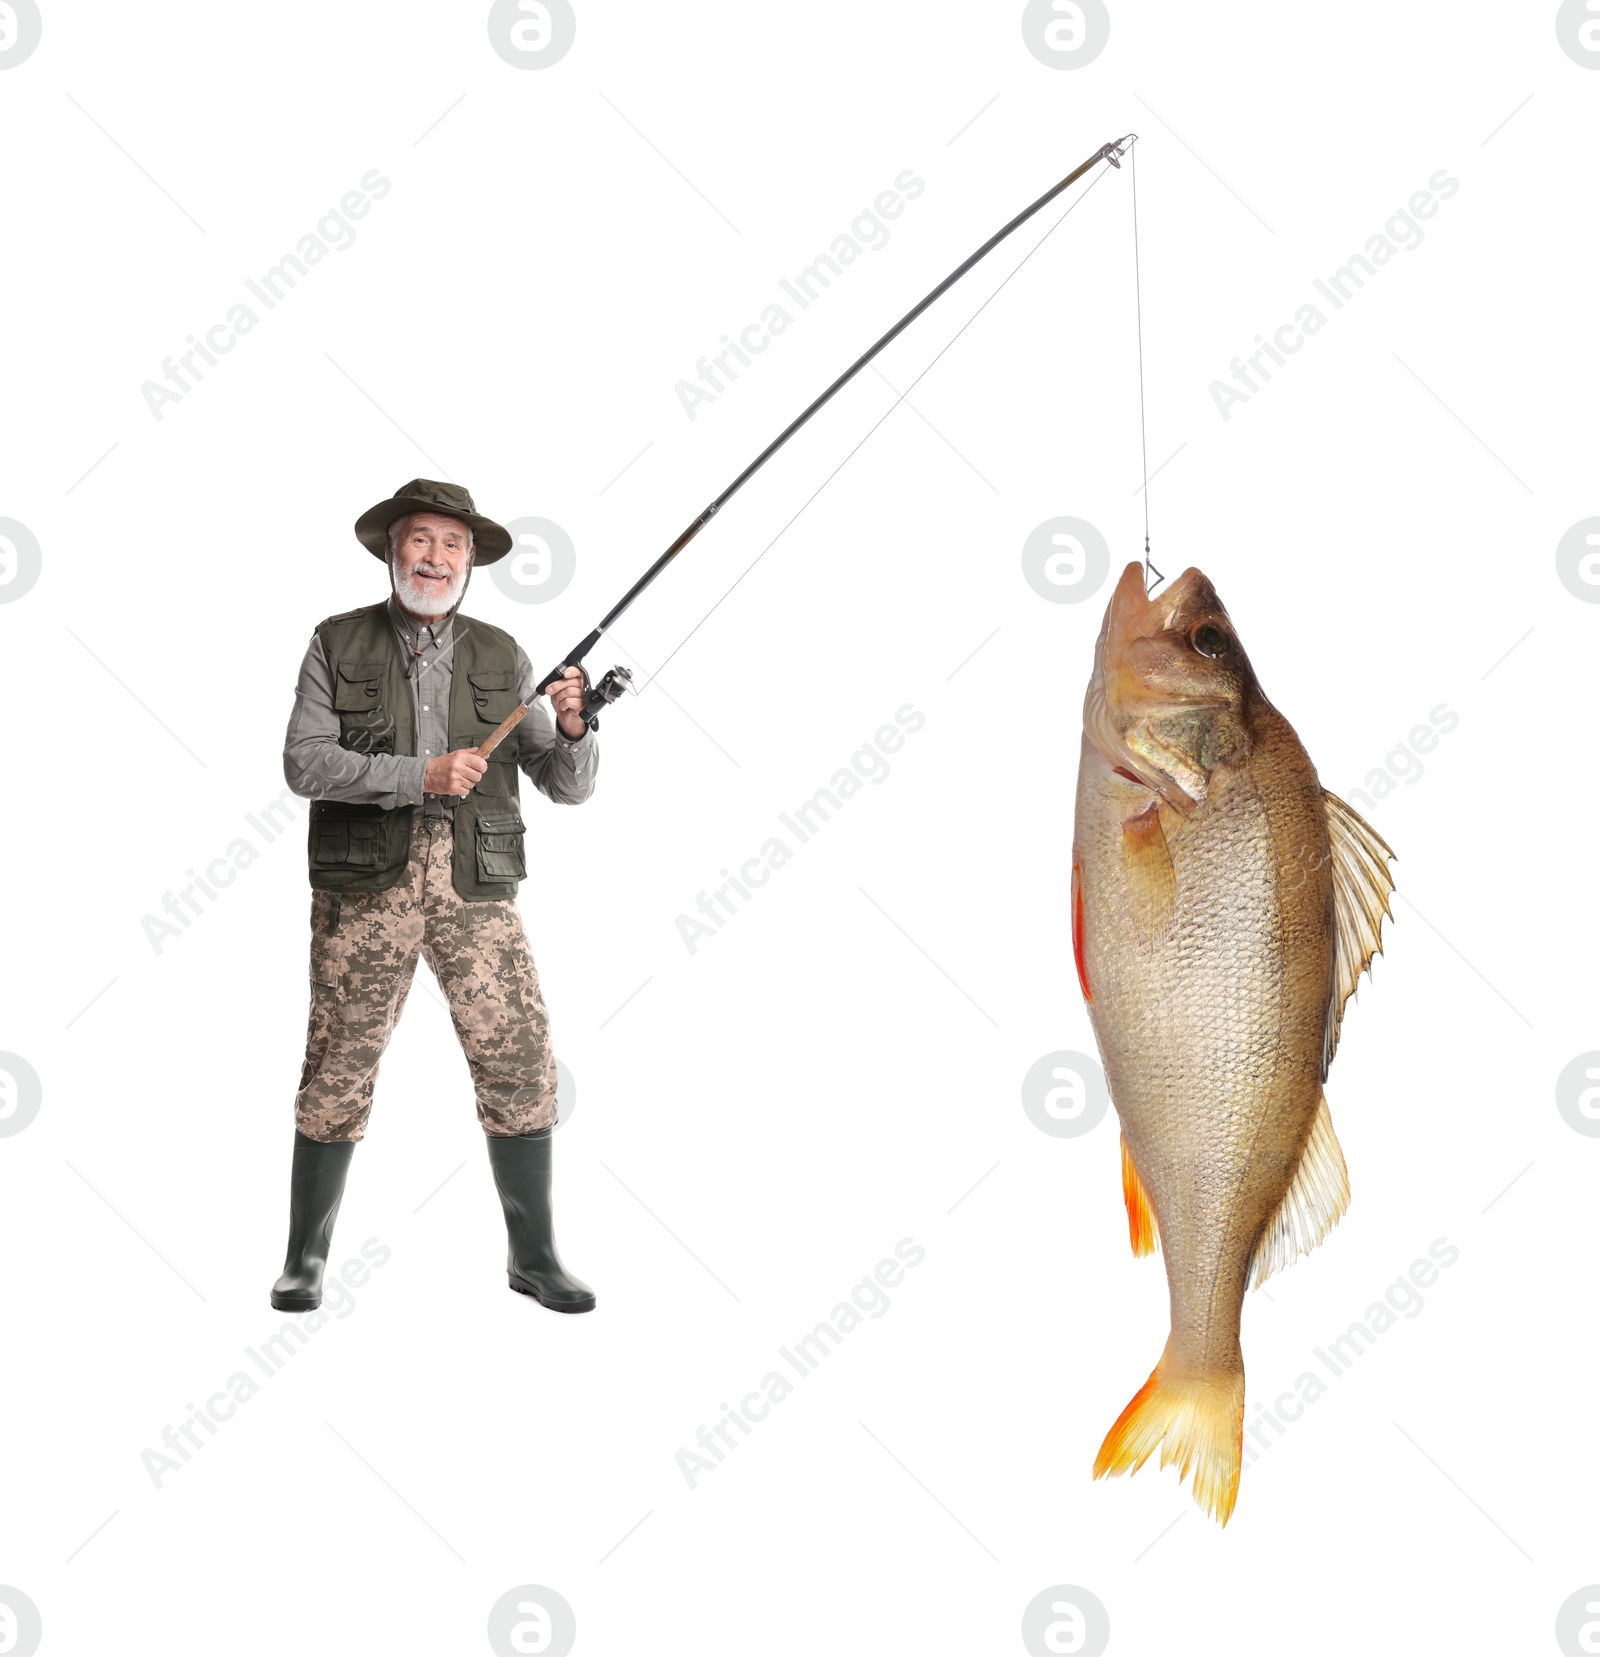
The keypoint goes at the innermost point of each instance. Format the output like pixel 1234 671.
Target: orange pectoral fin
pixel 1147 867
pixel 1142 1233
pixel 1077 933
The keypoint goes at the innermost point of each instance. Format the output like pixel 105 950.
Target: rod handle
pixel 501 731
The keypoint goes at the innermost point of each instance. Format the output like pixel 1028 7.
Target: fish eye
pixel 1209 640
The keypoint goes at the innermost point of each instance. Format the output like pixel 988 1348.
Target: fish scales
pixel 1205 892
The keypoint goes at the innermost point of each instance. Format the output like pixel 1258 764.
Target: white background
pixel 809 1087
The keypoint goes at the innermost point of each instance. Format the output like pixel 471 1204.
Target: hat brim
pixel 490 541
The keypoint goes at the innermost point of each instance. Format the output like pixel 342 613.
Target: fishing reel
pixel 610 687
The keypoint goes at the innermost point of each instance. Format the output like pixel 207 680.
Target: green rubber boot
pixel 522 1176
pixel 315 1186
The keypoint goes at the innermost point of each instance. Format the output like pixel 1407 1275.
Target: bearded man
pixel 416 848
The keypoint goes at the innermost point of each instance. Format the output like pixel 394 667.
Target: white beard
pixel 428 605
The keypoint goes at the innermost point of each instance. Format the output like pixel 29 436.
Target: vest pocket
pixel 494 695
pixel 499 846
pixel 350 839
pixel 365 724
pixel 350 845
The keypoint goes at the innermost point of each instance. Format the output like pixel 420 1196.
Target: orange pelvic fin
pixel 1142 1232
pixel 1196 1421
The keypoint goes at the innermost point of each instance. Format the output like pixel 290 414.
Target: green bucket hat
pixel 489 540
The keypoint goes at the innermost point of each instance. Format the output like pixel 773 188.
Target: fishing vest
pixel 364 848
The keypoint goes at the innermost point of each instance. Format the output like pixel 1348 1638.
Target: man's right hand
pixel 455 773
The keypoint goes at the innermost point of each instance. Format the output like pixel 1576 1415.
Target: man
pixel 416 847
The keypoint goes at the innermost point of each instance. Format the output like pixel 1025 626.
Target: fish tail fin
pixel 1196 1420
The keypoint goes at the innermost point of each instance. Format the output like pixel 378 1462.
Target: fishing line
pixel 892 407
pixel 1138 312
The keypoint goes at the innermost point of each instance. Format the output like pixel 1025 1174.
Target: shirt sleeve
pixel 317 768
pixel 561 769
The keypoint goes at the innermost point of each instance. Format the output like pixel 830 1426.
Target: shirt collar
pixel 421 635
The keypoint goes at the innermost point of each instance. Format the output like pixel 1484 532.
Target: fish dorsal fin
pixel 1361 888
pixel 1147 864
pixel 1311 1206
pixel 1142 1232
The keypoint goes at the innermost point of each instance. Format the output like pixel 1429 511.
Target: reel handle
pixel 612 687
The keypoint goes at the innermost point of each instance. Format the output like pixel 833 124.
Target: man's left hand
pixel 566 697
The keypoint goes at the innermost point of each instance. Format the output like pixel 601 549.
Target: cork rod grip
pixel 501 732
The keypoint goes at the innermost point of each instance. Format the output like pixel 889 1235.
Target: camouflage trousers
pixel 364 949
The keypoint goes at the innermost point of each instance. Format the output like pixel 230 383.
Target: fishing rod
pixel 615 683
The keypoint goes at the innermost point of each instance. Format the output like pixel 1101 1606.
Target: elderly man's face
pixel 431 558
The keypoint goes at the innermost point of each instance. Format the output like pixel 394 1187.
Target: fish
pixel 1224 906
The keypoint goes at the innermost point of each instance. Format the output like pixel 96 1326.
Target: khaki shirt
pixel 317 768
